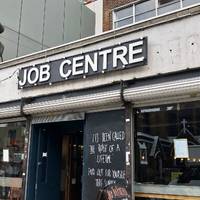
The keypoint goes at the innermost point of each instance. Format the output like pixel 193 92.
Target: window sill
pixel 167 191
pixel 164 196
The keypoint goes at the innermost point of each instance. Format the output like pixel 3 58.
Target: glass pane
pixel 124 12
pixel 72 27
pixel 32 19
pixel 11 159
pixel 9 39
pixel 168 145
pixel 190 2
pixel 167 7
pixel 10 13
pixel 28 45
pixel 87 22
pixel 83 23
pixel 145 15
pixel 53 30
pixel 124 22
pixel 146 6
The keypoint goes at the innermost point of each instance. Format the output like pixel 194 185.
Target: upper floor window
pixel 165 6
pixel 147 9
pixel 123 16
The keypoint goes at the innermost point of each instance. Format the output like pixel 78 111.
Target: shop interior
pixel 168 145
pixel 11 159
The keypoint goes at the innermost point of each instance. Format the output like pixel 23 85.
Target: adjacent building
pixel 32 26
pixel 113 114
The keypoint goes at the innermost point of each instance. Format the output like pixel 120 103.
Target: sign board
pixel 181 148
pixel 122 56
pixel 104 152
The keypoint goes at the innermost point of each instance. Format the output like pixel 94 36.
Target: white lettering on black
pixel 133 52
pixel 22 81
pixel 33 75
pixel 44 73
pixel 119 53
pixel 104 54
pixel 77 65
pixel 65 63
pixel 91 63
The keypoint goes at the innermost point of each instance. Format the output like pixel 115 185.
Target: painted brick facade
pixel 108 5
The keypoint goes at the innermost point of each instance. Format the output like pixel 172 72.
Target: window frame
pixel 157 6
pixel 21 179
pixel 114 14
pixel 160 191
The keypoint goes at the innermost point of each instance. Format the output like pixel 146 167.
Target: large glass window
pixel 168 149
pixel 12 137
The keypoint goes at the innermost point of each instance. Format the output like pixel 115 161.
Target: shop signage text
pixel 125 55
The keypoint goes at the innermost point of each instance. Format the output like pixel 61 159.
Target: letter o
pixel 31 73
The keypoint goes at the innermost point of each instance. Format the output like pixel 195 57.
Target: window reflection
pixel 159 132
pixel 11 160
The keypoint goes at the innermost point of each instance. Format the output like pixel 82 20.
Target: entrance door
pixel 55 167
pixel 71 169
pixel 48 165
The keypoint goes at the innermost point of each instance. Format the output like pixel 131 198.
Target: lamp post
pixel 1 45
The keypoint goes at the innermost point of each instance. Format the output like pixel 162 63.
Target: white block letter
pixel 33 75
pixel 23 81
pixel 91 63
pixel 119 56
pixel 44 73
pixel 62 65
pixel 105 57
pixel 133 52
pixel 76 64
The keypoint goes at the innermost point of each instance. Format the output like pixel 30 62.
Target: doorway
pixel 55 161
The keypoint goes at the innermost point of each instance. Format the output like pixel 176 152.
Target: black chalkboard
pixel 104 152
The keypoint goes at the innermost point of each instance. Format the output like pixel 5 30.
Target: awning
pixel 74 103
pixel 12 111
pixel 58 118
pixel 165 91
pixel 149 93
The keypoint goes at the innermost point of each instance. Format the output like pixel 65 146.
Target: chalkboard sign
pixel 104 152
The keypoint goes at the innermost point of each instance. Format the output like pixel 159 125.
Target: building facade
pixel 116 114
pixel 28 31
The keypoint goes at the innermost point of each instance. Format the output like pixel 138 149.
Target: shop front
pixel 13 146
pixel 115 115
pixel 167 151
pixel 149 147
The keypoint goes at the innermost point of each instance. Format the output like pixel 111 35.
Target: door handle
pixel 39 163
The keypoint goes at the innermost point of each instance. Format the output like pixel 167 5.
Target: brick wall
pixel 108 5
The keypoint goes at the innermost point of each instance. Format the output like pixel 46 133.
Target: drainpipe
pixel 24 101
pixel 129 132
